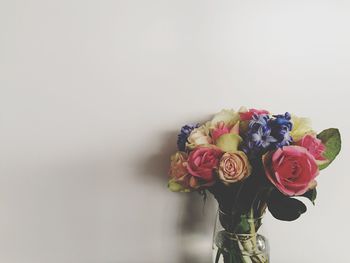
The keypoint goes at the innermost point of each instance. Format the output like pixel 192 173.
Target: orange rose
pixel 178 163
pixel 180 179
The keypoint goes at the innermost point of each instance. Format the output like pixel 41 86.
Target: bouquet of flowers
pixel 251 160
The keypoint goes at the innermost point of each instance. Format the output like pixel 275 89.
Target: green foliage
pixel 285 208
pixel 311 195
pixel 332 140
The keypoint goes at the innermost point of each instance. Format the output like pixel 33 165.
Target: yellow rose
pixel 228 117
pixel 301 126
pixel 234 167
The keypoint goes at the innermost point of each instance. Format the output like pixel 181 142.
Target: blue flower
pixel 183 135
pixel 259 136
pixel 262 138
pixel 283 120
pixel 259 121
pixel 281 127
pixel 267 133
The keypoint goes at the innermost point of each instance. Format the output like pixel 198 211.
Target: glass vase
pixel 239 239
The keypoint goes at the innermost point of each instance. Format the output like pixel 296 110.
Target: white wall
pixel 92 94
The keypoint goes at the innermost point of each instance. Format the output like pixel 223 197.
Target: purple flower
pixel 183 135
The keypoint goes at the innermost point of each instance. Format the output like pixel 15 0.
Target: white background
pixel 92 94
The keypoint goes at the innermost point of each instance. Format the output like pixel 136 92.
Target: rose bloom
pixel 229 117
pixel 248 115
pixel 178 165
pixel 202 161
pixel 292 169
pixel 199 136
pixel 234 167
pixel 180 179
pixel 301 126
pixel 314 146
pixel 221 128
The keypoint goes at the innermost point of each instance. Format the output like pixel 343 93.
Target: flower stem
pixel 252 226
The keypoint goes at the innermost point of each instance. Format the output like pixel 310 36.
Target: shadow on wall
pixel 156 166
pixel 196 219
pixel 195 228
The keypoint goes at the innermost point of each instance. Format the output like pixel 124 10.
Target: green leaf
pixel 332 140
pixel 285 208
pixel 228 142
pixel 311 195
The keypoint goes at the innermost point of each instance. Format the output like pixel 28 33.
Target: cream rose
pixel 234 167
pixel 199 136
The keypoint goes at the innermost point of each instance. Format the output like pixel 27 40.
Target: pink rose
pixel 248 115
pixel 221 128
pixel 292 169
pixel 202 161
pixel 314 145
